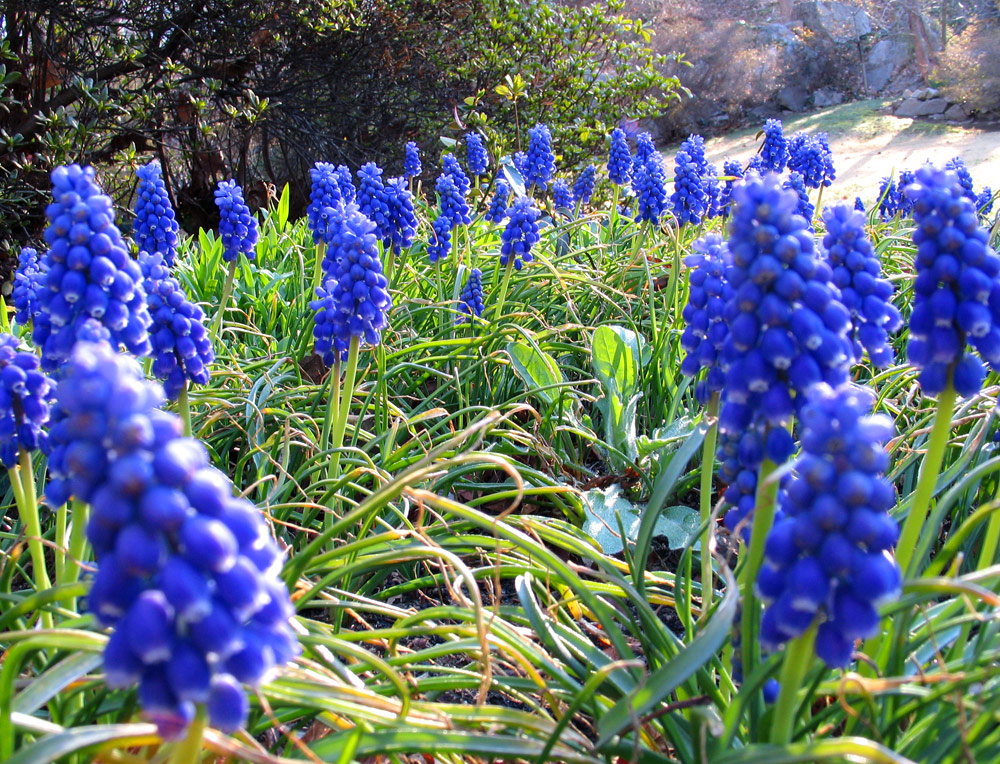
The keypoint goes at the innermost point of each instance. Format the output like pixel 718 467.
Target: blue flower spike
pixel 412 166
pixel 155 228
pixel 520 234
pixel 29 280
pixel 236 225
pixel 470 302
pixel 540 164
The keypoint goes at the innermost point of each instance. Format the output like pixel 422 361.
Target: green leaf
pixel 616 354
pixel 449 142
pixel 537 369
pixel 283 208
pixel 46 686
pixel 514 179
pixel 602 508
pixel 54 747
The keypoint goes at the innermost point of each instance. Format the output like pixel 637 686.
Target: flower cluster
pixel 733 171
pixel 182 349
pixel 562 197
pixel 28 281
pixel 498 206
pixel 957 166
pixel 583 187
pixel 705 327
pixel 187 574
pixel 858 204
pixel 984 202
pixel 787 331
pixel 155 228
pixel 25 397
pixel 325 192
pixel 371 199
pixel 475 154
pixel 471 300
pixel 439 246
pixel 795 182
pixel 828 557
pixel 811 156
pixel 888 198
pixel 774 151
pixel 454 206
pixel 348 192
pixel 956 292
pixel 87 273
pixel 520 161
pixel 450 166
pixel 650 190
pixel 401 221
pixel 644 149
pixel 541 162
pixel 237 226
pixel 411 161
pixel 689 201
pixel 354 299
pixel 619 158
pixel 520 233
pixel 857 273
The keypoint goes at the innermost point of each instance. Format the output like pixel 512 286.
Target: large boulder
pixel 914 107
pixel 825 97
pixel 793 98
pixel 885 59
pixel 838 22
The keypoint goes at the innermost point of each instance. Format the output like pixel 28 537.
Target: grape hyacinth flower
pixel 354 300
pixel 857 272
pixel 401 221
pixel 562 197
pixel 187 573
pixel 583 187
pixel 236 225
pixel 828 561
pixel 705 326
pixel 814 159
pixel 25 397
pixel 520 233
pixel 348 191
pixel 520 161
pixel 689 202
pixel 888 198
pixel 411 161
pixel 471 300
pixel 182 348
pixel 984 202
pixel 541 162
pixel 713 192
pixel 733 171
pixel 650 189
pixel 497 212
pixel 858 204
pixel 787 332
pixel 774 151
pixel 475 154
pixel 439 246
pixel 644 149
pixel 453 204
pixel 29 279
pixel 450 166
pixel 325 192
pixel 905 204
pixel 756 166
pixel 957 290
pixel 155 228
pixel 957 165
pixel 619 159
pixel 371 199
pixel 87 272
pixel 796 183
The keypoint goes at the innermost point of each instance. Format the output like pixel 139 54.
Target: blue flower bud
pixel 155 228
pixel 521 232
pixel 237 226
pixel 411 162
pixel 619 158
pixel 475 154
pixel 540 164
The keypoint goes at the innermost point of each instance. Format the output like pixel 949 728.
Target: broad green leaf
pixel 510 172
pixel 54 747
pixel 537 369
pixel 47 685
pixel 678 524
pixel 283 207
pixel 616 353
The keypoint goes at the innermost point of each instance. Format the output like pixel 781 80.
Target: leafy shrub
pixel 970 67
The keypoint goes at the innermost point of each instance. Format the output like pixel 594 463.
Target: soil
pixel 869 143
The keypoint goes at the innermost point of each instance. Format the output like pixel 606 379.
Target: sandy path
pixel 869 144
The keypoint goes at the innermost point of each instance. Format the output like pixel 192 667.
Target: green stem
pixel 707 471
pixel 649 278
pixel 819 202
pixel 930 468
pixel 988 553
pixel 184 408
pixel 317 279
pixel 763 518
pixel 227 290
pixel 508 270
pixel 798 659
pixel 22 483
pixel 346 396
pixel 77 543
pixel 189 750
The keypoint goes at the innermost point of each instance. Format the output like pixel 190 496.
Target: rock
pixel 913 107
pixel 926 94
pixel 956 112
pixel 884 59
pixel 908 93
pixel 718 120
pixel 793 97
pixel 838 22
pixel 825 97
pixel 778 34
